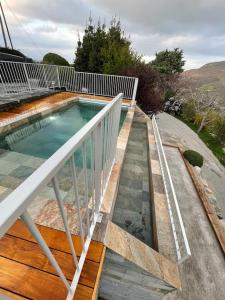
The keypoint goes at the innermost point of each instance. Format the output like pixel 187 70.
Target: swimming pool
pixel 44 136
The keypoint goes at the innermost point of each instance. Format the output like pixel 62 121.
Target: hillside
pixel 210 76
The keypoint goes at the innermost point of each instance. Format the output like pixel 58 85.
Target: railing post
pixel 98 161
pixel 25 70
pixel 135 89
pixel 57 72
pixel 64 218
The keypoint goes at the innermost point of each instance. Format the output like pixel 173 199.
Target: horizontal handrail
pixel 13 206
pixel 171 201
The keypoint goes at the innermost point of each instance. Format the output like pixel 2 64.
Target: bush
pixel 149 92
pixel 188 111
pixel 219 129
pixel 55 59
pixel 194 158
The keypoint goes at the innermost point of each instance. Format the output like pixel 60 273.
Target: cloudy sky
pixel 196 26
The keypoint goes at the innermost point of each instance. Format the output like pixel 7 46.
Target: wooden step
pixel 57 240
pixel 25 272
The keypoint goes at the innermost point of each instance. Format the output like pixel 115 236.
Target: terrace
pixel 87 202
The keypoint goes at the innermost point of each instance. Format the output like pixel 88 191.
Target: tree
pixel 104 51
pixel 54 59
pixel 203 104
pixel 149 92
pixel 169 62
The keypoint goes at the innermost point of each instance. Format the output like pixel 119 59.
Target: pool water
pixel 44 136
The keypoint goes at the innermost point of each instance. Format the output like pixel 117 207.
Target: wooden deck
pixel 48 101
pixel 25 272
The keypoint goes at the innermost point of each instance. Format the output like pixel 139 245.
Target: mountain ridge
pixel 211 77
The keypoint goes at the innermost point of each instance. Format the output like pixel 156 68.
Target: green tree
pixel 104 51
pixel 54 59
pixel 169 62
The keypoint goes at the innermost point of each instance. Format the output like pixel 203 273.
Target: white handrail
pixel 104 125
pixel 169 185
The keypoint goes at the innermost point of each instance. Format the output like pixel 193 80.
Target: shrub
pixel 55 59
pixel 194 158
pixel 219 129
pixel 188 111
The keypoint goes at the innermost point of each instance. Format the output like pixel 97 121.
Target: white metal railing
pixel 180 238
pixel 17 78
pixel 95 144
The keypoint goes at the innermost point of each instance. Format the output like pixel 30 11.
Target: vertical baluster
pixel 75 187
pixel 92 173
pixel 41 242
pixel 98 158
pixel 84 158
pixel 64 218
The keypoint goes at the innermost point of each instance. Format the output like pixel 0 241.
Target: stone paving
pixel 132 209
pixel 16 167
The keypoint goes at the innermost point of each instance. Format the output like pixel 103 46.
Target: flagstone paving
pixel 133 209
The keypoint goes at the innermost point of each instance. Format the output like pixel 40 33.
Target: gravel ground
pixel 173 130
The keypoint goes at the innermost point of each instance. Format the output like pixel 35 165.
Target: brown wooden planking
pixel 35 284
pixel 95 291
pixel 49 101
pixel 30 282
pixel 30 254
pixel 11 295
pixel 57 240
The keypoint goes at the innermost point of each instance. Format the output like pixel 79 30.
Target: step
pixel 25 272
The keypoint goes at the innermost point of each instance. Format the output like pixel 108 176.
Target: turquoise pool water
pixel 44 136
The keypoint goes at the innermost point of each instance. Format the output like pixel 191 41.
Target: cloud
pixel 196 26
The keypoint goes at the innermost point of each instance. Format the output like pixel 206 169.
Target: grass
pixel 208 139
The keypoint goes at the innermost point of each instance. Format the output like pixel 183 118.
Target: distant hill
pixel 211 77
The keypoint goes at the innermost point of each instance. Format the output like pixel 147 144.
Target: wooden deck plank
pixel 30 282
pixel 57 240
pixel 30 254
pixel 11 295
pixel 34 284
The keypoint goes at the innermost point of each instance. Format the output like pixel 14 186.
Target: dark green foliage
pixel 169 62
pixel 54 59
pixel 149 92
pixel 104 51
pixel 194 158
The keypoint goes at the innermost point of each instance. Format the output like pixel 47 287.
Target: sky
pixel 196 26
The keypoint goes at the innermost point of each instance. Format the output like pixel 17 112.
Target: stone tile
pixel 129 191
pixel 15 157
pixel 134 150
pixel 158 183
pixel 22 172
pixel 3 190
pixel 33 162
pixel 155 167
pixel 135 183
pixel 6 167
pixel 134 157
pixel 130 203
pixel 36 206
pixel 10 182
pixel 5 193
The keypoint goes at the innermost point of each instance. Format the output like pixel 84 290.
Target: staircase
pixel 25 272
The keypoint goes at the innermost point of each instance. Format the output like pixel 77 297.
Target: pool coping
pixel 14 122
